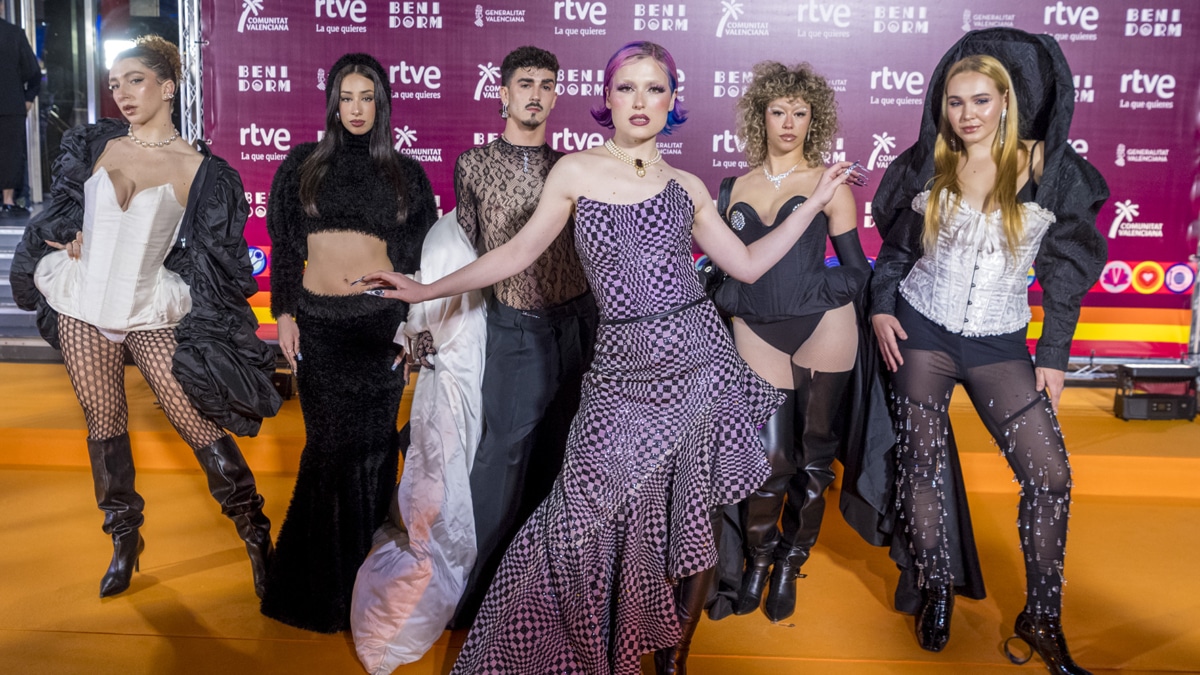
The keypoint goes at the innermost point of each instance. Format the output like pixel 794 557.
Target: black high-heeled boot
pixel 933 617
pixel 690 594
pixel 112 479
pixel 760 511
pixel 819 398
pixel 232 484
pixel 1043 634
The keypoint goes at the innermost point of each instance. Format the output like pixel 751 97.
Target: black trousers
pixel 531 389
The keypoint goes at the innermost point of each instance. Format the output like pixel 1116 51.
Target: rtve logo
pixel 1066 15
pixel 898 80
pixel 815 12
pixel 1161 85
pixel 429 77
pixel 355 10
pixel 593 12
pixel 265 137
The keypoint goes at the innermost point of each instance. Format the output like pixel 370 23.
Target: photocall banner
pixel 1136 76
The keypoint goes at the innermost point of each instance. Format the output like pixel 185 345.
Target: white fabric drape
pixel 411 581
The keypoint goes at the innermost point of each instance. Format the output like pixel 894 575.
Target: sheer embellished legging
pixel 1022 422
pixel 96 366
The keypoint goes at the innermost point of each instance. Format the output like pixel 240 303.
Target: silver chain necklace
pixel 148 144
pixel 777 179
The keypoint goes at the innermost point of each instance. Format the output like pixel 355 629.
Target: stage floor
pixel 1132 601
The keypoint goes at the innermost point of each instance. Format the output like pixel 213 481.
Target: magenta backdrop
pixel 1136 116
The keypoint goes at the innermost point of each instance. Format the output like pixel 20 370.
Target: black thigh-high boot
pixel 760 511
pixel 112 477
pixel 819 398
pixel 232 485
pixel 690 595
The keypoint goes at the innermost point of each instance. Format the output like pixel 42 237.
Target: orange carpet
pixel 1132 604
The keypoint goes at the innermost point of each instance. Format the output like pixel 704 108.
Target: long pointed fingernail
pixel 299 357
pixel 377 292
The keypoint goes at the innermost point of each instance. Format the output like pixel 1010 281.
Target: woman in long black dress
pixel 347 205
pixel 617 561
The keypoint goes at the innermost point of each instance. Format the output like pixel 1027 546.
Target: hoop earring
pixel 503 111
pixel 1003 126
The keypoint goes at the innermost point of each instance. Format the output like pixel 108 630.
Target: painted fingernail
pixel 377 292
pixel 299 357
pixel 395 364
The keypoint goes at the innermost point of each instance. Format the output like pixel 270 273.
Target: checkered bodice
pixel 638 257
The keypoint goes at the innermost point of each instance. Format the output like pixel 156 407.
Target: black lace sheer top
pixel 497 187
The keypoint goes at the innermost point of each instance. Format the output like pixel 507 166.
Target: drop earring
pixel 1003 126
pixel 503 111
pixel 337 116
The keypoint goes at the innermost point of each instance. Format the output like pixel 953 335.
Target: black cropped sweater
pixel 355 196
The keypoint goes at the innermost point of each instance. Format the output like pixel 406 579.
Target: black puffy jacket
pixel 220 361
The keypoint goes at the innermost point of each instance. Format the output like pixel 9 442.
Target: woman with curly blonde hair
pixel 795 326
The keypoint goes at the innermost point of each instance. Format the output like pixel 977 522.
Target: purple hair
pixel 637 50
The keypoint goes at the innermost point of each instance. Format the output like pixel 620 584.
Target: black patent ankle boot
pixel 1043 634
pixel 933 617
pixel 781 592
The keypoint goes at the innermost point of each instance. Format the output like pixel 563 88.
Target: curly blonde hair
pixel 772 81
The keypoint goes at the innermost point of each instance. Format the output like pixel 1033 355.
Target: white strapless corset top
pixel 119 283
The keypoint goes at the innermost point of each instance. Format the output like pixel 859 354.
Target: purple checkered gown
pixel 666 432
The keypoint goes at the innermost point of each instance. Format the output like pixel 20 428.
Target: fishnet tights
pixel 1022 423
pixel 96 366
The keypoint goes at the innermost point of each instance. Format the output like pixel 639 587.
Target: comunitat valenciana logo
pixel 732 25
pixel 903 19
pixel 580 18
pixel 488 85
pixel 660 17
pixel 405 144
pixel 881 154
pixel 418 15
pixel 1125 225
pixel 253 19
pixel 1153 22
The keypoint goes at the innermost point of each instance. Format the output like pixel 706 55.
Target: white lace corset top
pixel 119 282
pixel 970 283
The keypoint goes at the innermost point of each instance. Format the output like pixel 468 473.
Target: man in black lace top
pixel 541 322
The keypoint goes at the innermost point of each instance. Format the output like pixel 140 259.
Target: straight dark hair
pixel 383 156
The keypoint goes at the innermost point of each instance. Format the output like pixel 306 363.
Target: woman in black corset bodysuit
pixel 795 326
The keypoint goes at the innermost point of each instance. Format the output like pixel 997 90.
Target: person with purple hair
pixel 618 559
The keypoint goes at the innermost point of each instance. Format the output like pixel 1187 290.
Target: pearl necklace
pixel 638 164
pixel 777 179
pixel 148 144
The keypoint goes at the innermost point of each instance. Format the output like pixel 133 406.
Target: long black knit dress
pixel 349 394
